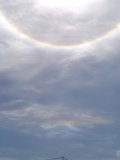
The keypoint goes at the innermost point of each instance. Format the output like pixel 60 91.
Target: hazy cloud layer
pixel 55 100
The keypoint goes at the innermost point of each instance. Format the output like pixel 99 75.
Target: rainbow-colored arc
pixel 23 35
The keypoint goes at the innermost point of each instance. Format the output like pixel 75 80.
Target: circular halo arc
pixel 23 35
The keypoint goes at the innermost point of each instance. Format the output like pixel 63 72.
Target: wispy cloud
pixel 53 116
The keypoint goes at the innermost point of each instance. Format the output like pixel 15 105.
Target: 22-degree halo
pixel 48 40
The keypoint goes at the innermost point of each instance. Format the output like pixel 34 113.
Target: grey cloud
pixel 84 144
pixel 43 88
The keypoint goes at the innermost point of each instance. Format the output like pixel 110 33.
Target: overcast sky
pixel 60 79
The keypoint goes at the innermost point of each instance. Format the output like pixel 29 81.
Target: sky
pixel 60 79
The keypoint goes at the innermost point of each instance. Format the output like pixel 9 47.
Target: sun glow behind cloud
pixel 65 4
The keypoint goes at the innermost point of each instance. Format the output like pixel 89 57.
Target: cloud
pixel 118 154
pixel 5 158
pixel 53 116
pixel 59 100
pixel 61 27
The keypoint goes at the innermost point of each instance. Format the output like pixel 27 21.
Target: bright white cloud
pixel 65 4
